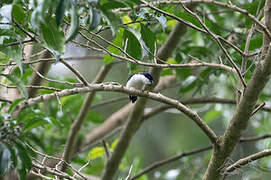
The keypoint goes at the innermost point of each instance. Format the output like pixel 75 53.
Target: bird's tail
pixel 133 98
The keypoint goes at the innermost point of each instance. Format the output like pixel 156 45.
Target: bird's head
pixel 148 76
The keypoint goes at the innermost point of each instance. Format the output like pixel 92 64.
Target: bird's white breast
pixel 137 81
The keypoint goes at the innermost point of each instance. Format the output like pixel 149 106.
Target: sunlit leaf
pixel 96 152
pixel 114 144
pixel 118 42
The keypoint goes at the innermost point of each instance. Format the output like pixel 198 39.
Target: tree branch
pixel 77 73
pixel 119 88
pixel 36 79
pixel 169 160
pixel 82 115
pixel 246 160
pixel 244 110
pixel 214 36
pixel 163 162
pixel 133 122
pixel 189 2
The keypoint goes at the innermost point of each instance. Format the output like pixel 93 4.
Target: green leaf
pixel 23 155
pixel 60 12
pixel 74 27
pixel 18 13
pixel 5 159
pixel 95 18
pixel 188 84
pixel 34 121
pixel 212 26
pixel 11 52
pixel 13 154
pixel 114 144
pixel 211 115
pixel 118 42
pixel 149 38
pixel 22 173
pixel 131 44
pixel 35 118
pixel 188 17
pixel 14 104
pixel 18 82
pixel 3 58
pixel 96 152
pixel 95 117
pixel 114 5
pixel 53 37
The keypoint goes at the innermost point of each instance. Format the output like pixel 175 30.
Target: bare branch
pixel 217 3
pixel 246 160
pixel 118 88
pixel 163 162
pixel 77 73
pixel 244 110
pixel 169 160
pixel 76 126
pixel 214 36
pixel 154 65
pixel 30 86
pixel 106 149
pixel 55 81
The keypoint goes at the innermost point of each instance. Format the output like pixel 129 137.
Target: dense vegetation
pixel 205 117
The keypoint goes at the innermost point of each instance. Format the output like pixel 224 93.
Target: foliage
pixel 136 33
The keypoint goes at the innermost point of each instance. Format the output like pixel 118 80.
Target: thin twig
pixel 107 153
pixel 217 3
pixel 55 158
pixel 246 160
pixel 177 157
pixel 104 50
pixel 169 160
pixel 31 86
pixel 119 88
pixel 110 101
pixel 56 81
pixel 129 173
pixel 258 108
pixel 218 42
pixel 20 42
pixel 77 73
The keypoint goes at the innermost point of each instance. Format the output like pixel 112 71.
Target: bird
pixel 138 81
